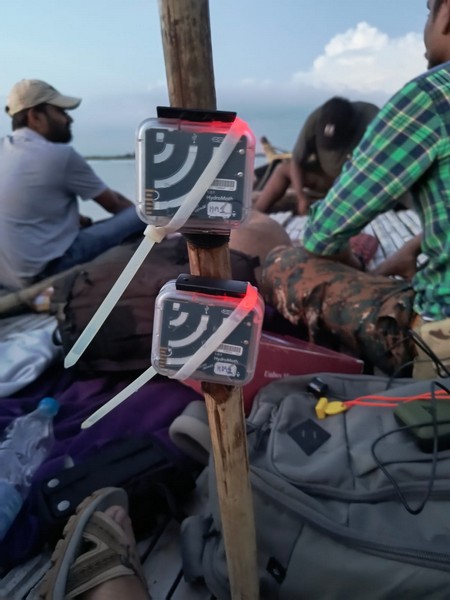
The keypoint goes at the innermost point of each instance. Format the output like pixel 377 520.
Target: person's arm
pixel 112 201
pixel 344 256
pixel 403 262
pixel 274 189
pixel 298 184
pixel 81 180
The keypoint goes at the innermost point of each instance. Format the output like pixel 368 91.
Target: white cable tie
pixel 247 304
pixel 109 302
pixel 119 398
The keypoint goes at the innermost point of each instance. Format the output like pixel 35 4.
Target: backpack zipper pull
pixel 320 407
pixel 335 408
pixel 324 408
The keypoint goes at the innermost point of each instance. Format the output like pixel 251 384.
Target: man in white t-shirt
pixel 41 178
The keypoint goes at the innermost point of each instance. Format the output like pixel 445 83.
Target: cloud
pixel 362 63
pixel 363 37
pixel 365 60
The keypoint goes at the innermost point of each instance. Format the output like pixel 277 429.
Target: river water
pixel 119 175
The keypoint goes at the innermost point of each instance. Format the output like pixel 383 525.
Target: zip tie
pixel 335 408
pixel 324 408
pixel 119 398
pixel 108 303
pixel 227 326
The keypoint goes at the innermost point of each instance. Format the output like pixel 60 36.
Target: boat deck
pixel 392 229
pixel 160 553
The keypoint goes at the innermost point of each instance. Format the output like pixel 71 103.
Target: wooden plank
pixel 162 568
pixel 387 244
pixel 18 582
pixel 191 591
pixel 163 564
pixel 282 217
pixel 392 229
pixel 379 255
pixel 411 220
pixel 296 228
pixel 25 296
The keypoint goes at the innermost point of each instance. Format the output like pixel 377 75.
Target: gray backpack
pixel 334 499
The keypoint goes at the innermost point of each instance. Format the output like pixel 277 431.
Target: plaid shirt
pixel 406 147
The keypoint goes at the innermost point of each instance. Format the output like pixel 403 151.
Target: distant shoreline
pixel 129 156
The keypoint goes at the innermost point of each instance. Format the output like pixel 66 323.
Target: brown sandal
pixel 93 549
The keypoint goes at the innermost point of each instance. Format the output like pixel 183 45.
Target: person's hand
pixel 303 204
pixel 403 266
pixel 403 263
pixel 85 221
pixel 344 256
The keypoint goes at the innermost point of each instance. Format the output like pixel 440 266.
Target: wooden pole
pixel 186 39
pixel 25 296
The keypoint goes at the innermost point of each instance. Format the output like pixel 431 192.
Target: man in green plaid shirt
pixel 406 147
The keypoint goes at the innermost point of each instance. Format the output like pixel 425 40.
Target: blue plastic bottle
pixel 24 445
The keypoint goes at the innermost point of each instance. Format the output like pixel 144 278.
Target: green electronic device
pixel 418 416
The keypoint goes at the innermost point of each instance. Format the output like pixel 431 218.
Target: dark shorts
pixel 368 316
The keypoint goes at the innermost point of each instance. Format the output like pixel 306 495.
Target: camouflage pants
pixel 368 316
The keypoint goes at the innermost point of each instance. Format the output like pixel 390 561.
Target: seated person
pixel 371 315
pixel 42 176
pixel 325 143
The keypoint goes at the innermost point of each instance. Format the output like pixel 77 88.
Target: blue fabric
pixel 97 238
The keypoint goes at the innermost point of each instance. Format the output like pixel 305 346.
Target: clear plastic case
pixel 185 320
pixel 172 154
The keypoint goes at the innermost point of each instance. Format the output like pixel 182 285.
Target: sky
pixel 274 61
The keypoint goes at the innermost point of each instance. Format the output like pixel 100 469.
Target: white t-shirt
pixel 39 185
